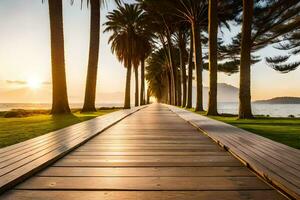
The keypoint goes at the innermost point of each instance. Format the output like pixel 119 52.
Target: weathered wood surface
pixel 152 154
pixel 276 162
pixel 20 161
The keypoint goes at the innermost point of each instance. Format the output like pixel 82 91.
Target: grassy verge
pixel 14 130
pixel 283 130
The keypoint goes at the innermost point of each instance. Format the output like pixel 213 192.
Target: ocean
pixel 46 106
pixel 273 110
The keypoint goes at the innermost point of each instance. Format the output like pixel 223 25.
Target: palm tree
pixel 190 74
pixel 245 93
pixel 195 13
pixel 125 22
pixel 182 39
pixel 91 79
pixel 136 73
pixel 145 44
pixel 213 54
pixel 143 39
pixel 157 71
pixel 263 22
pixel 162 25
pixel 60 104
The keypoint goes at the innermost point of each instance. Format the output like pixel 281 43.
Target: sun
pixel 34 83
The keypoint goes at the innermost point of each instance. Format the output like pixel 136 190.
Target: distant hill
pixel 280 100
pixel 226 93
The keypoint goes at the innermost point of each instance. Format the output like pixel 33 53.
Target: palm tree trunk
pixel 136 73
pixel 142 97
pixel 165 89
pixel 91 80
pixel 198 65
pixel 127 89
pixel 148 96
pixel 173 67
pixel 179 93
pixel 60 104
pixel 184 87
pixel 190 74
pixel 245 68
pixel 170 73
pixel 170 88
pixel 213 57
pixel 182 48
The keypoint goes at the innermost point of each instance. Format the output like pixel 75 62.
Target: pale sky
pixel 25 57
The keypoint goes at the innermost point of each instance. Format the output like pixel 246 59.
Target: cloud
pixel 46 83
pixel 20 82
pixel 16 82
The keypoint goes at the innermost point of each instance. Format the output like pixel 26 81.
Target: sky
pixel 25 65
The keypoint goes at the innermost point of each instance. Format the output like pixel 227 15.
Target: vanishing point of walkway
pixel 152 154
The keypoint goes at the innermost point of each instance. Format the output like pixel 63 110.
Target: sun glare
pixel 33 83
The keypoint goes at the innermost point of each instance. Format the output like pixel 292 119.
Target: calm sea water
pixel 274 110
pixel 32 106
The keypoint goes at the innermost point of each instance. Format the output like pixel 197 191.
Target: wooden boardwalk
pixel 152 154
pixel 20 161
pixel 276 162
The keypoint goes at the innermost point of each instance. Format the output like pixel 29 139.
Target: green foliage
pixel 290 43
pixel 272 19
pixel 157 70
pixel 127 24
pixel 14 130
pixel 229 67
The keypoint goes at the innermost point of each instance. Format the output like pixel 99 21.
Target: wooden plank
pixel 144 195
pixel 149 137
pixel 25 157
pixel 222 158
pixel 163 148
pixel 151 146
pixel 288 169
pixel 186 142
pixel 146 171
pixel 217 161
pixel 134 133
pixel 144 183
pixel 286 180
pixel 55 134
pixel 147 153
pixel 37 142
pixel 151 150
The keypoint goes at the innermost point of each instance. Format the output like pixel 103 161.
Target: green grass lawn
pixel 15 130
pixel 283 130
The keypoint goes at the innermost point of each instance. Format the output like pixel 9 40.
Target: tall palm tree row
pixel 173 33
pixel 60 103
pixel 126 23
pixel 262 21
